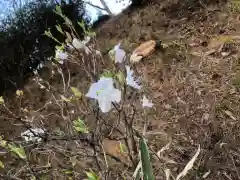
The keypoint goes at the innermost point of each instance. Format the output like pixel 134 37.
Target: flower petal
pixel 78 44
pixel 130 79
pixel 104 103
pixel 146 102
pixel 61 55
pixel 120 55
pixel 92 92
pixel 97 87
pixel 115 95
pixel 105 82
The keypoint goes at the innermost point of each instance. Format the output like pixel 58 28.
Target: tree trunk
pixel 106 7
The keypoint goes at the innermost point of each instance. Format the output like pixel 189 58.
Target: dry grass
pixel 195 97
pixel 194 85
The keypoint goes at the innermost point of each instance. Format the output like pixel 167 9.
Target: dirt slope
pixel 194 84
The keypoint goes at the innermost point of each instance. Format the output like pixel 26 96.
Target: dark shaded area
pixel 100 21
pixel 23 42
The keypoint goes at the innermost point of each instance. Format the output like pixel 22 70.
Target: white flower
pixel 105 93
pixel 78 44
pixel 146 102
pixel 60 55
pixel 40 66
pixel 130 79
pixel 70 47
pixel 86 39
pixel 120 54
pixel 29 135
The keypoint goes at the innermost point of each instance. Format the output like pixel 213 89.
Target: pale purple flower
pixel 119 54
pixel 146 102
pixel 105 93
pixel 130 79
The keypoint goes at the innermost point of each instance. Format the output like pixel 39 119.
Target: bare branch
pixel 106 7
pixel 95 6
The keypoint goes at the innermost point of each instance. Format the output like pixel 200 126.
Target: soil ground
pixel 194 84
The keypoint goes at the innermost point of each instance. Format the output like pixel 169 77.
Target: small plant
pixel 101 97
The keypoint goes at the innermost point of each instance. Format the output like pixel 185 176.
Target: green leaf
pixel 107 73
pixel 61 48
pixel 3 143
pixel 91 34
pixel 68 171
pixel 58 27
pixel 121 78
pixel 82 25
pixel 33 178
pixel 1 164
pixel 68 21
pixel 92 175
pixel 58 9
pixel 145 159
pixel 80 126
pixel 17 150
pixel 1 100
pixel 48 33
pixel 123 148
pixel 19 93
pixel 112 54
pixel 76 92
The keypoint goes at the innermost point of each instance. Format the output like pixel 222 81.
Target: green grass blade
pixel 145 158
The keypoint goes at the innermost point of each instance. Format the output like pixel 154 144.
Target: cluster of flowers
pixel 103 90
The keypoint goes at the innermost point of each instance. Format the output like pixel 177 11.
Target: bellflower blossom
pixel 105 93
pixel 78 44
pixel 130 79
pixel 81 44
pixel 146 102
pixel 60 55
pixel 119 54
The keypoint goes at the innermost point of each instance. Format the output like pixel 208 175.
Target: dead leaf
pixel 236 81
pixel 219 41
pixel 206 174
pixel 112 147
pixel 142 51
pixel 210 52
pixel 189 165
pixel 228 113
pixel 166 147
pixel 135 58
pixel 195 53
pixel 167 173
pixel 225 54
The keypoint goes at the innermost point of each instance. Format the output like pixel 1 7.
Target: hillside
pixel 193 82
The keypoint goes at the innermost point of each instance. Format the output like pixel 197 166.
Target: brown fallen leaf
pixel 219 41
pixel 189 165
pixel 143 50
pixel 112 147
pixel 230 114
pixel 210 52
